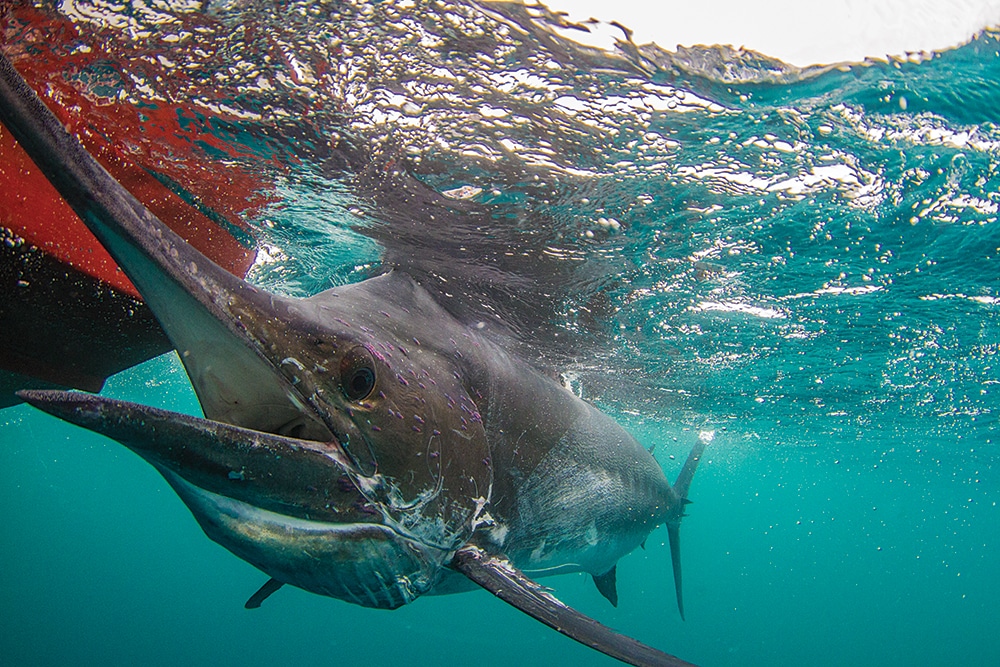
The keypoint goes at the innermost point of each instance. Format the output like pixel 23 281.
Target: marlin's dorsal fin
pixel 607 584
pixel 683 482
pixel 497 575
pixel 263 593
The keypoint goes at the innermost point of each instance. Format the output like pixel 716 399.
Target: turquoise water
pixel 801 266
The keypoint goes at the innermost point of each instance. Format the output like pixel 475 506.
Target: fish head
pixel 346 372
pixel 326 370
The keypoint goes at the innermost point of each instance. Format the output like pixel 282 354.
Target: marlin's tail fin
pixel 674 523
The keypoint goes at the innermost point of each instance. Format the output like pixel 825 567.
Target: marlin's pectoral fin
pixel 263 593
pixel 497 575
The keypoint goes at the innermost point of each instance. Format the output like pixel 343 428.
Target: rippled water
pixel 801 265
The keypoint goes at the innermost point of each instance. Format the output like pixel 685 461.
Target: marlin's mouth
pixel 369 564
pixel 296 509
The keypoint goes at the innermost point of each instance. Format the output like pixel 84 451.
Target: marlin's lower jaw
pixel 296 509
pixel 368 564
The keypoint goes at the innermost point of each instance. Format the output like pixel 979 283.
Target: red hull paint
pixel 156 150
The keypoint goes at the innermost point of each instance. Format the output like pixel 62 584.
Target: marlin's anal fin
pixel 607 584
pixel 263 593
pixel 497 575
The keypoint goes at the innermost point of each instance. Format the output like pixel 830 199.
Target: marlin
pixel 362 443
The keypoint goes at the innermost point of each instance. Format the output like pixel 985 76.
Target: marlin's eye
pixel 357 374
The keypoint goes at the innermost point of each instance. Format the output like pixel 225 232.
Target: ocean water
pixel 800 266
